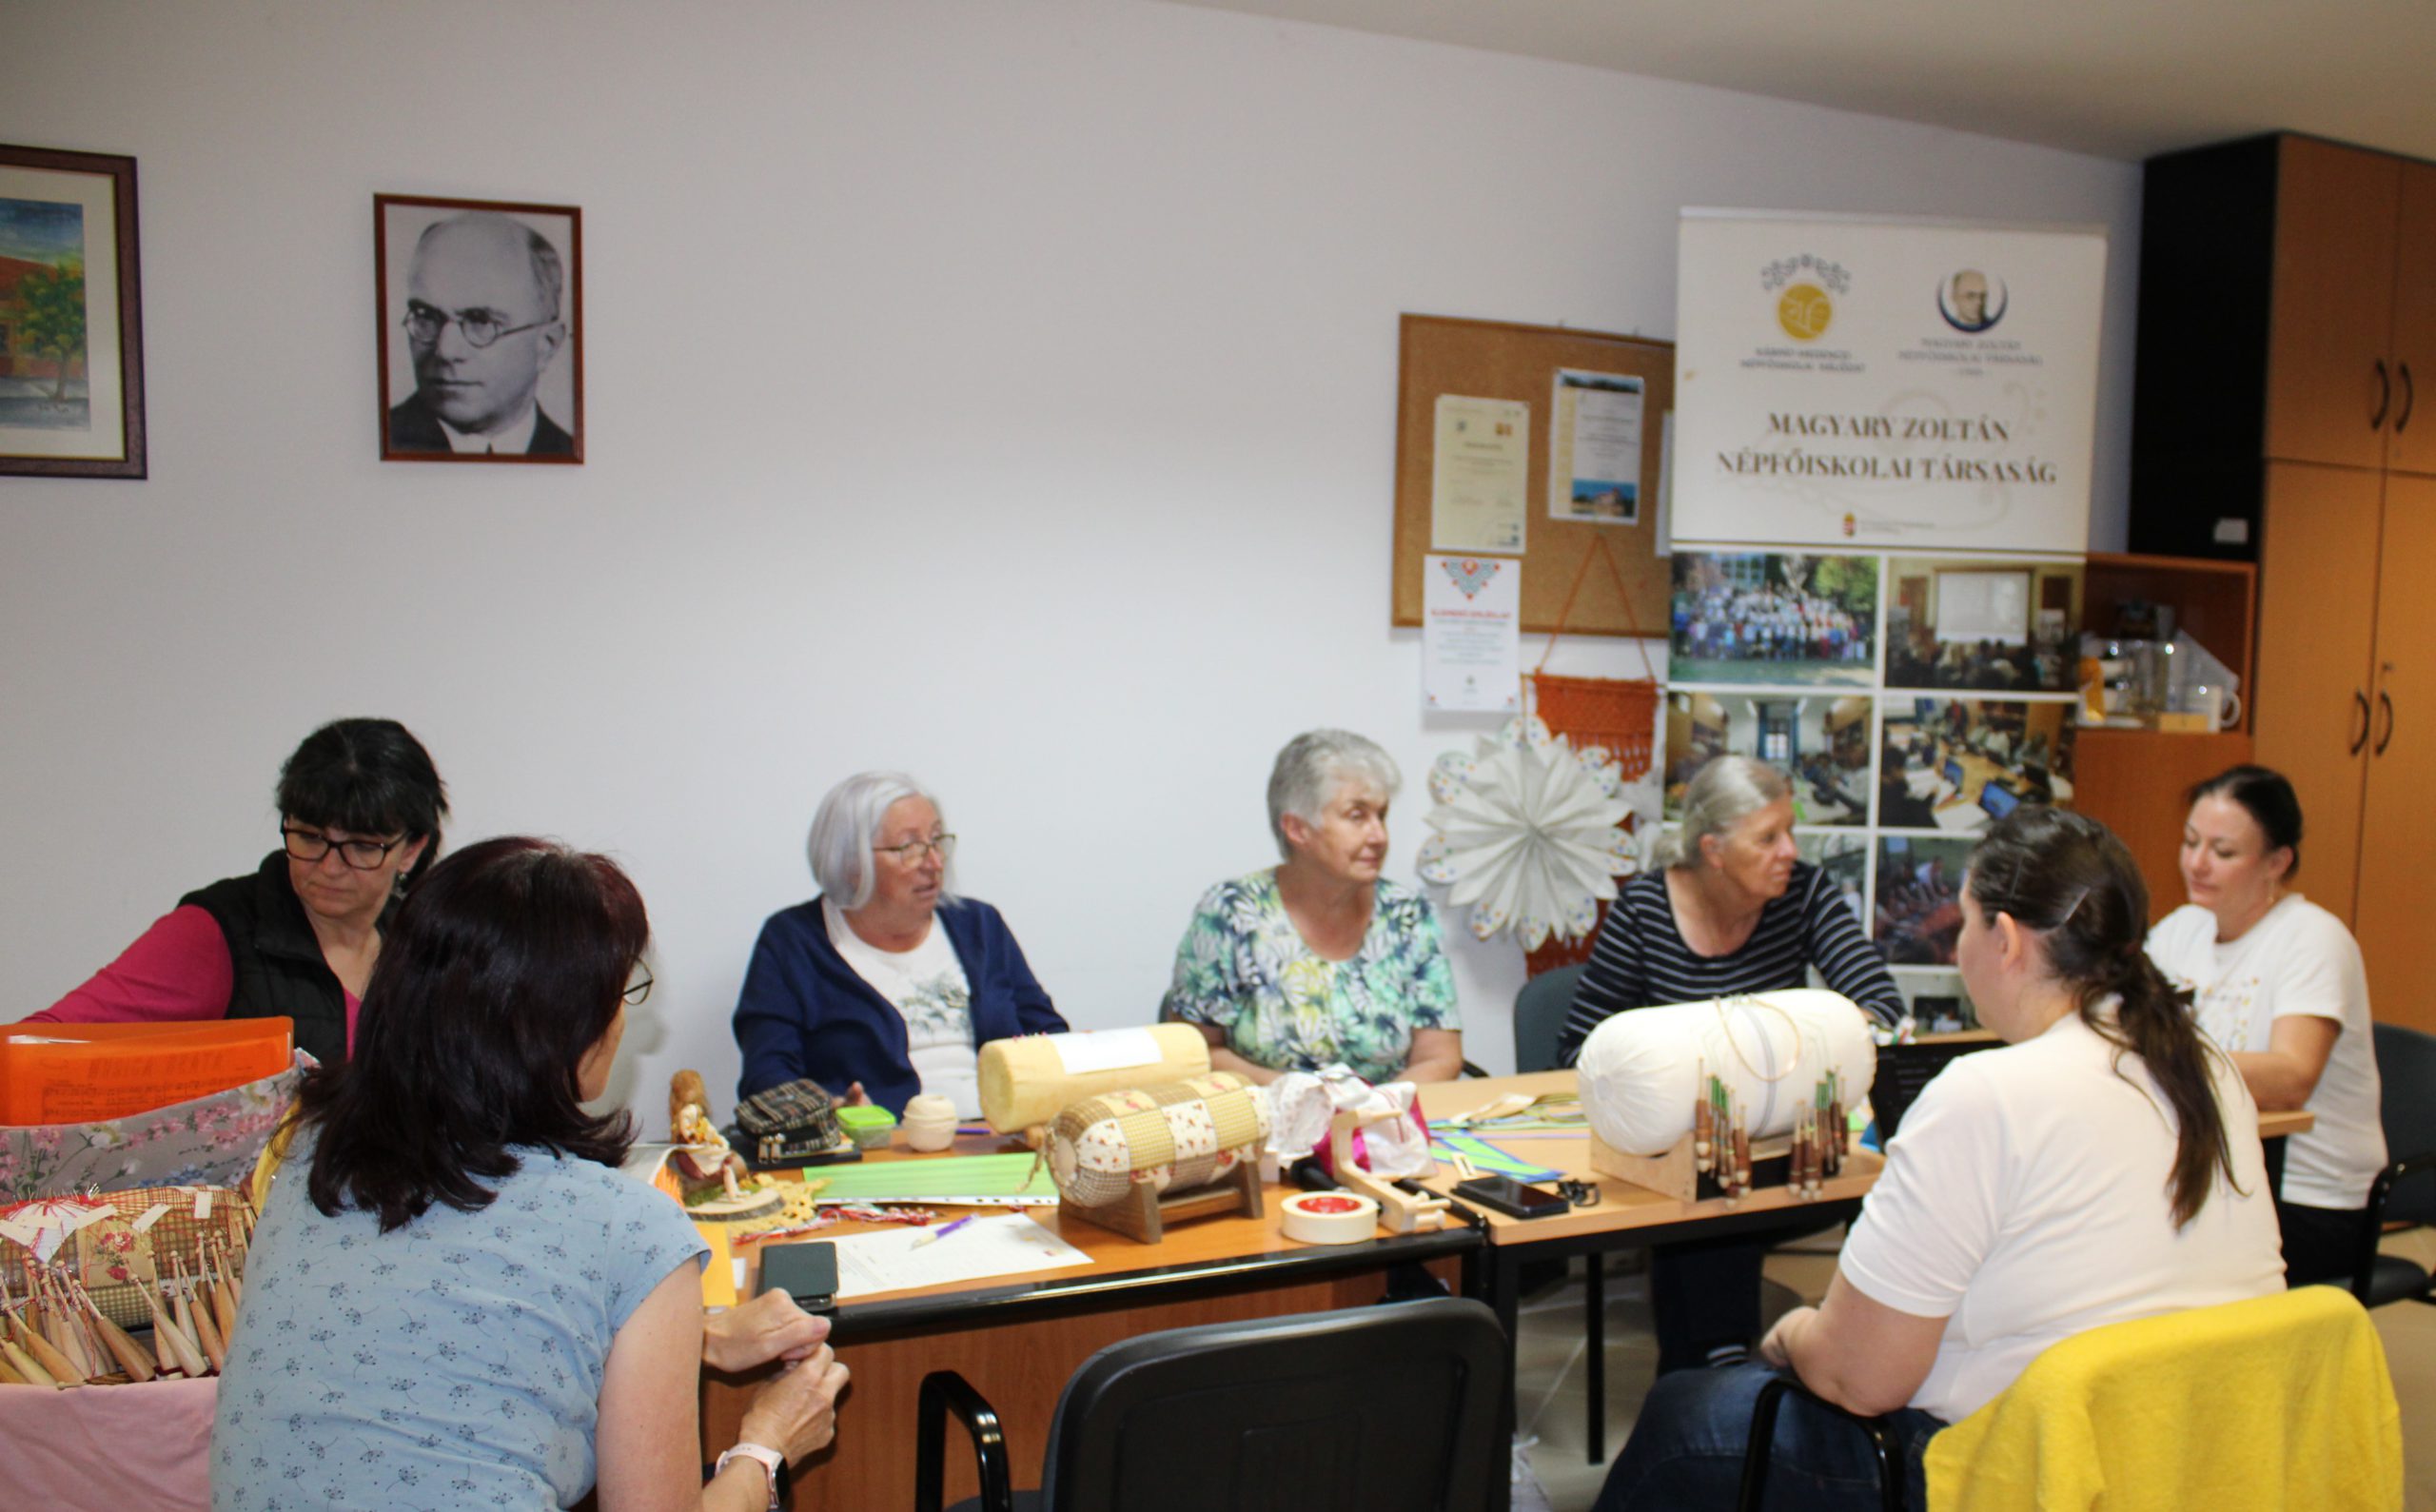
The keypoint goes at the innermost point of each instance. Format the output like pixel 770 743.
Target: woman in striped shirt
pixel 1731 910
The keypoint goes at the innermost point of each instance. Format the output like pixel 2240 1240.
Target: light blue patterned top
pixel 456 1362
pixel 1243 967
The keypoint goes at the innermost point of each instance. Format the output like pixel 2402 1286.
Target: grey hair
pixel 1729 790
pixel 1310 768
pixel 842 832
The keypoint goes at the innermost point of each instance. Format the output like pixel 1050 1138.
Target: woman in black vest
pixel 360 808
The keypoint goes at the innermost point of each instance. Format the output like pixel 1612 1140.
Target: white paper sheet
pixel 1594 448
pixel 1480 475
pixel 1471 611
pixel 1000 1245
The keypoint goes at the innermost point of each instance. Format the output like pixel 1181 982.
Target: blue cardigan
pixel 805 1012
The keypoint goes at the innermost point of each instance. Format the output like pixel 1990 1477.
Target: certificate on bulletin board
pixel 1594 448
pixel 1480 475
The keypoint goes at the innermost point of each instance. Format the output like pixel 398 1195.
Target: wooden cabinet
pixel 2411 446
pixel 2398 810
pixel 2330 313
pixel 2312 701
pixel 2287 313
pixel 2280 417
pixel 2133 780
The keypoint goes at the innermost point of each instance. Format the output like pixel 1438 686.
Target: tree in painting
pixel 53 324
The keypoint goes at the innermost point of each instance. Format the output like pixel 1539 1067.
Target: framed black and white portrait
pixel 482 330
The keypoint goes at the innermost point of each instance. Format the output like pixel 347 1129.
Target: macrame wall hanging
pixel 1611 714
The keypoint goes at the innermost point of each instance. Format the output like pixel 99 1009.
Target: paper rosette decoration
pixel 1529 833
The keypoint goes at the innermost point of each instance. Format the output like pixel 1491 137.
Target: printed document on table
pixel 1001 1245
pixel 1480 475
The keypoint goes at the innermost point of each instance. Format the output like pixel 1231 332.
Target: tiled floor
pixel 1550 1375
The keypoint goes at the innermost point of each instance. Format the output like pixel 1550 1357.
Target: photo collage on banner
pixel 1881 493
pixel 1909 700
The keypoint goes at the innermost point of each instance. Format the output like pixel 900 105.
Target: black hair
pixel 2066 876
pixel 504 967
pixel 370 777
pixel 2266 797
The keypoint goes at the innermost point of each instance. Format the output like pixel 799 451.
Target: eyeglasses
pixel 363 856
pixel 914 851
pixel 636 992
pixel 477 325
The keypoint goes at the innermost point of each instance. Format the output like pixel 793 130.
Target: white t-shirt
pixel 2027 1200
pixel 927 985
pixel 2297 959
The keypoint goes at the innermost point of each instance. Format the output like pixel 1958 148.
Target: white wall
pixel 1005 391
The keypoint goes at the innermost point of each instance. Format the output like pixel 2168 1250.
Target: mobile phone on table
pixel 807 1272
pixel 1516 1199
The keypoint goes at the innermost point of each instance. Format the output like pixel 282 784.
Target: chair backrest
pixel 1539 1017
pixel 2278 1401
pixel 1393 1405
pixel 2407 1106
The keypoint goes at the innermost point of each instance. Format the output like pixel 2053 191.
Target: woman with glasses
pixel 1320 960
pixel 360 807
pixel 887 983
pixel 455 1298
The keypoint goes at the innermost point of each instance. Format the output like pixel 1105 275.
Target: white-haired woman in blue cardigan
pixel 887 983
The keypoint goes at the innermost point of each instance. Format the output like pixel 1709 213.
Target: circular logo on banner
pixel 1804 311
pixel 1971 301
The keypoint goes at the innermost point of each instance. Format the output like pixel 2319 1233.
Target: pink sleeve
pixel 179 968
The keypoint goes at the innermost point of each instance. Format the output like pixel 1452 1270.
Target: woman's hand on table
pixel 769 1327
pixel 797 1412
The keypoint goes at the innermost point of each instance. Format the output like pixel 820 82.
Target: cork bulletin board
pixel 1491 360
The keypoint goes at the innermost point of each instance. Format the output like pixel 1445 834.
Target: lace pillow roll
pixel 1172 1137
pixel 1642 1069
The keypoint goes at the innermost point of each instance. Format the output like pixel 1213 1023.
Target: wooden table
pixel 1630 1217
pixel 1018 1340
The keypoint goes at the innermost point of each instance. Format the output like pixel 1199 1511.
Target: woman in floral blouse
pixel 1321 960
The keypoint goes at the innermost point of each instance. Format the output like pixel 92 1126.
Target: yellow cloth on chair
pixel 2276 1402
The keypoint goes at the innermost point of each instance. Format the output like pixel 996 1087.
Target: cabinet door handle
pixel 2385 396
pixel 2410 398
pixel 2385 701
pixel 2362 738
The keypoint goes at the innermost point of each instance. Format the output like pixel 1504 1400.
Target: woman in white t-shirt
pixel 2102 1164
pixel 2277 981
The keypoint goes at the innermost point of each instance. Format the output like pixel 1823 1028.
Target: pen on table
pixel 941 1232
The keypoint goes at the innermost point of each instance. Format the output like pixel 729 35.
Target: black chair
pixel 1882 1440
pixel 2403 1192
pixel 1395 1405
pixel 1539 1017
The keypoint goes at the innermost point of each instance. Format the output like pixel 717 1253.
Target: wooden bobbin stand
pixel 1143 1214
pixel 1401 1211
pixel 1677 1173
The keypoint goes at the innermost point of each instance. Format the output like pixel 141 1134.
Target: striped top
pixel 1641 959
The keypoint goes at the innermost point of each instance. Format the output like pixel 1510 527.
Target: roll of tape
pixel 1330 1218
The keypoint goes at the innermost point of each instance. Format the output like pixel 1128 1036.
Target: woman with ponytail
pixel 2103 1164
pixel 2277 981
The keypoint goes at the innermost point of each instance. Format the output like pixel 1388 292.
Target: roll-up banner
pixel 1877 381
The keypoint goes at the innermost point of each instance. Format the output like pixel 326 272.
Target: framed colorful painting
pixel 71 316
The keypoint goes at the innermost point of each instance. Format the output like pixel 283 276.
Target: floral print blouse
pixel 1243 967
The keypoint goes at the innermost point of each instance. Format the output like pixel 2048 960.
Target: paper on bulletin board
pixel 1480 475
pixel 1471 627
pixel 1594 448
